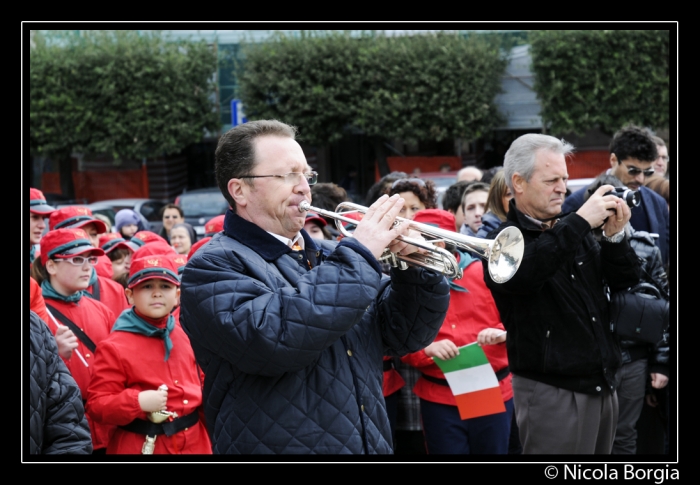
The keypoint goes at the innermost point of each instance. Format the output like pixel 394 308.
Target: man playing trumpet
pixel 291 341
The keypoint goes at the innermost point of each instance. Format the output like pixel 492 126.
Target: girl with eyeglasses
pixel 78 322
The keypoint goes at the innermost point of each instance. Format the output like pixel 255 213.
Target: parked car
pixel 200 205
pixel 148 209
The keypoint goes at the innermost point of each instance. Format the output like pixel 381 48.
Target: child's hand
pixel 152 401
pixel 66 341
pixel 444 349
pixel 490 336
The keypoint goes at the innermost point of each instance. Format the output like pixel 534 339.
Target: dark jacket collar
pixel 521 220
pixel 257 239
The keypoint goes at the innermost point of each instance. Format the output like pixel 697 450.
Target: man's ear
pixel 129 295
pixel 238 190
pixel 518 183
pixel 613 160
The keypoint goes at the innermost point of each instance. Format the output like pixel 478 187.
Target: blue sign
pixel 237 114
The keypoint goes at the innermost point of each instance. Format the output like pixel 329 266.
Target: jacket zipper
pixel 546 351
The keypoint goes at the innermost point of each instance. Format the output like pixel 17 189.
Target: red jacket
pixel 392 380
pixel 104 266
pixel 96 320
pixel 112 294
pixel 36 300
pixel 128 363
pixel 468 314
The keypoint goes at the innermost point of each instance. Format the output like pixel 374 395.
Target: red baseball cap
pixel 436 217
pixel 313 217
pixel 74 216
pixel 180 261
pixel 67 242
pixel 110 241
pixel 214 225
pixel 155 247
pixel 147 237
pixel 154 266
pixel 37 203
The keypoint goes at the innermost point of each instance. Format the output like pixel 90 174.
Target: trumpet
pixel 503 254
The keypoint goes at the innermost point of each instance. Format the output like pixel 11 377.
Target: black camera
pixel 630 196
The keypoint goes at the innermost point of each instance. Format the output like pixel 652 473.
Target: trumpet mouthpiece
pixel 304 206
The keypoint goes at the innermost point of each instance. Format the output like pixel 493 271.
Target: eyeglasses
pixel 78 260
pixel 291 178
pixel 418 182
pixel 634 171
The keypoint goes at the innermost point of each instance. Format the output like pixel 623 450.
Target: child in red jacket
pixel 147 367
pixel 471 317
pixel 64 270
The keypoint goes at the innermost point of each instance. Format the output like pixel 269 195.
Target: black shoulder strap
pixel 74 328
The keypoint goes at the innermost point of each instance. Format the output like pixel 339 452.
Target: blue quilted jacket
pixel 292 355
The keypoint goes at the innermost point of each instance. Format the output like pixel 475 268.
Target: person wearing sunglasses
pixel 64 271
pixel 290 331
pixel 632 154
pixel 172 214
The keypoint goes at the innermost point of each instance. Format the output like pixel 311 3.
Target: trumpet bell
pixel 506 254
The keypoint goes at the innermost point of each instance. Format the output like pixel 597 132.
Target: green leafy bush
pixel 602 79
pixel 126 93
pixel 421 87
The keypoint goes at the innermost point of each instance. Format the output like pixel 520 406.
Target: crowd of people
pixel 283 331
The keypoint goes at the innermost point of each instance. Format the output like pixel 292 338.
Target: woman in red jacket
pixel 147 366
pixel 472 317
pixel 64 270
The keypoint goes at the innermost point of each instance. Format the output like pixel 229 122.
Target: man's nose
pixel 303 186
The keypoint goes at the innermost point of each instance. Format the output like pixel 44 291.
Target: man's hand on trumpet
pixel 377 231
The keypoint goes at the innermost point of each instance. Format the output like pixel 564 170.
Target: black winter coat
pixel 57 423
pixel 293 356
pixel 555 308
pixel 653 272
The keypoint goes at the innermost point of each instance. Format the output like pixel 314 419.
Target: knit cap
pixel 125 217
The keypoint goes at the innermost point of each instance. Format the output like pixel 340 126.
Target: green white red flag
pixel 473 382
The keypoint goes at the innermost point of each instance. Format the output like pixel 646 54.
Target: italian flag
pixel 473 382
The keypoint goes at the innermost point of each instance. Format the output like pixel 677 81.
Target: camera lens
pixel 632 198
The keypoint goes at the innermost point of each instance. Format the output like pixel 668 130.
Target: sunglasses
pixel 416 181
pixel 78 260
pixel 634 171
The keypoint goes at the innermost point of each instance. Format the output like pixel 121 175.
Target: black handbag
pixel 639 313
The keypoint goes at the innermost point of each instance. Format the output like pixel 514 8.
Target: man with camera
pixel 632 154
pixel 562 353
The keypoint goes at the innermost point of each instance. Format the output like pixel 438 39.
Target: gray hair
pixel 520 157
